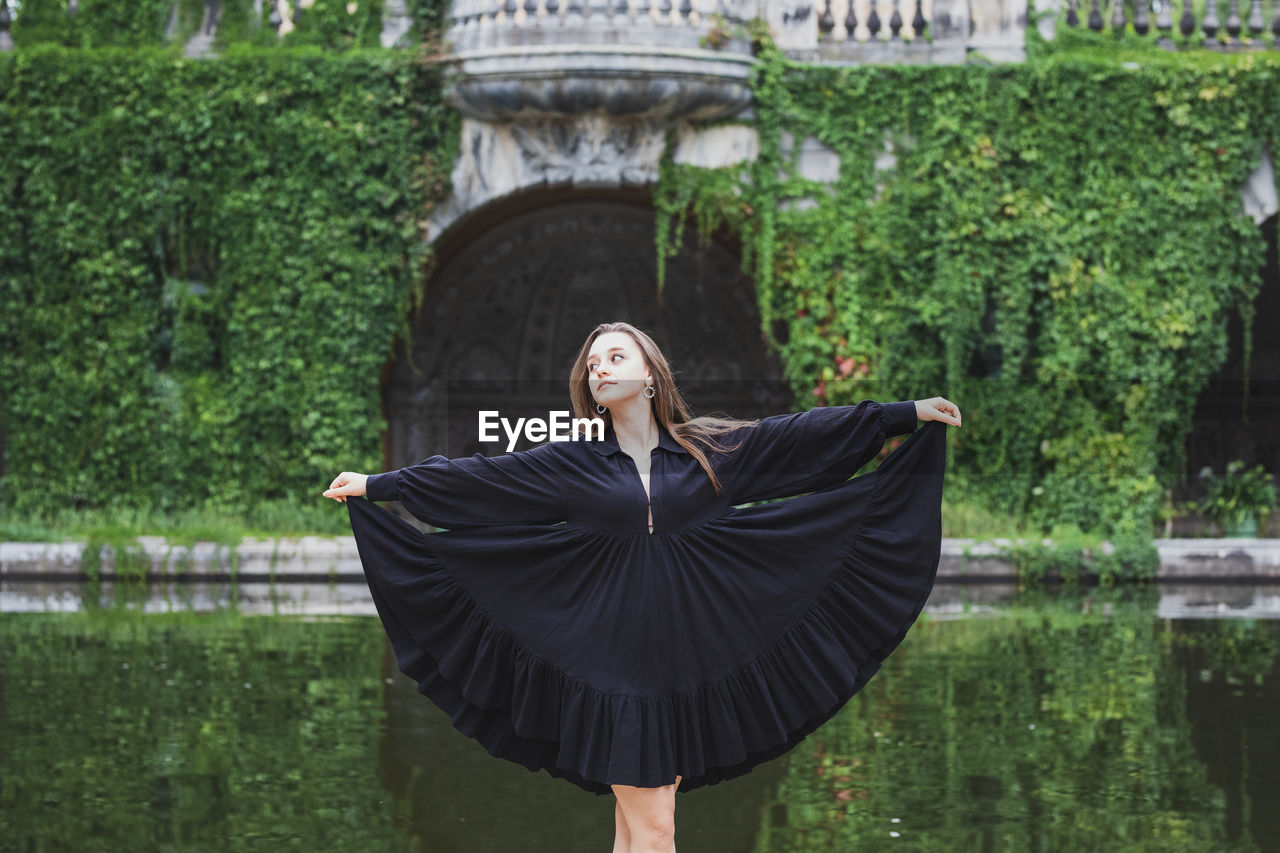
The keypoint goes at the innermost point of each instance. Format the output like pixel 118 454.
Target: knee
pixel 659 832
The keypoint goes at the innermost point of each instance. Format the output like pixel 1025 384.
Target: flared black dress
pixel 555 629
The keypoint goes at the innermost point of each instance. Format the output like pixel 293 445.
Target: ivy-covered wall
pixel 1055 245
pixel 331 24
pixel 203 265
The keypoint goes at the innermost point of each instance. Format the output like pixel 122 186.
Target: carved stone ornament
pixel 497 160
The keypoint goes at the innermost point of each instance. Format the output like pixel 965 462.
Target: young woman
pixel 609 612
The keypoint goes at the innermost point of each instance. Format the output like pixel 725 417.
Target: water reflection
pixel 1098 721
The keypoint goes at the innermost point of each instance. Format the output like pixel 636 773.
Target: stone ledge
pixel 336 558
pixel 320 600
pixel 1180 559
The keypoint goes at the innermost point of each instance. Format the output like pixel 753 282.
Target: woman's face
pixel 615 369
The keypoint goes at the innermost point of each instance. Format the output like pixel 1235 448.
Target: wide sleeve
pixel 524 487
pixel 787 455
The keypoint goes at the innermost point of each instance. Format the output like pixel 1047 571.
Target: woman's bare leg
pixel 650 815
pixel 622 833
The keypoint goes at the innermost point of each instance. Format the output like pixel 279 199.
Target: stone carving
pixel 502 158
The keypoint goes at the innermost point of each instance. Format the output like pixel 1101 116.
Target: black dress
pixel 552 627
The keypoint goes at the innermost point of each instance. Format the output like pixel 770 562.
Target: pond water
pixel 172 719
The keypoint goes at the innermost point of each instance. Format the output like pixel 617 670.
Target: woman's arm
pixel 525 487
pixel 786 455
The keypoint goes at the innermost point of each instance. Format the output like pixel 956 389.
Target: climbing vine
pixel 203 263
pixel 203 266
pixel 329 24
pixel 1055 245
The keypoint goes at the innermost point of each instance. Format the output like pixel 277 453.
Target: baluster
pixel 1073 18
pixel 1164 23
pixel 530 12
pixel 457 21
pixel 826 23
pixel 1233 20
pixel 895 23
pixel 686 9
pixel 509 11
pixel 873 22
pixel 575 8
pixel 1141 23
pixel 1095 18
pixel 1210 25
pixel 1117 17
pixel 918 23
pixel 488 33
pixel 468 22
pixel 553 10
pixel 273 18
pixel 851 21
pixel 1255 19
pixel 1187 24
pixel 643 13
pixel 6 40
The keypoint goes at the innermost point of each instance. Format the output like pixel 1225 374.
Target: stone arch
pixel 514 295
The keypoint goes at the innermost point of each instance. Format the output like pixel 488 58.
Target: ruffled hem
pixel 524 709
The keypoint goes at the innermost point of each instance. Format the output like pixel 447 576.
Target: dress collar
pixel 609 444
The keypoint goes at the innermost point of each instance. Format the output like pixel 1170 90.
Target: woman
pixel 608 612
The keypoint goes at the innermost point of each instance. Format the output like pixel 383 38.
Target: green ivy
pixel 101 23
pixel 337 24
pixel 1057 248
pixel 329 24
pixel 203 266
pixel 204 263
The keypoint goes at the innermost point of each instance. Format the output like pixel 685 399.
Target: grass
pixel 265 521
pixel 965 520
pixel 288 520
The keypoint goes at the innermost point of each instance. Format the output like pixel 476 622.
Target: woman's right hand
pixel 346 485
pixel 938 409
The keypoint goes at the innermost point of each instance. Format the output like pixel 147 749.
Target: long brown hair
pixel 696 435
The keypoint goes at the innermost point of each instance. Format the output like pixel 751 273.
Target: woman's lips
pixel 602 384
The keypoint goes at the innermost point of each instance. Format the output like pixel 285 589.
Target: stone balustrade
pixel 689 33
pixel 1223 26
pixel 653 59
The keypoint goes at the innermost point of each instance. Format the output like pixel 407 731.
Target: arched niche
pixel 514 295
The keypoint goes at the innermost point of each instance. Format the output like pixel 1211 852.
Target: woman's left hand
pixel 938 409
pixel 345 485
